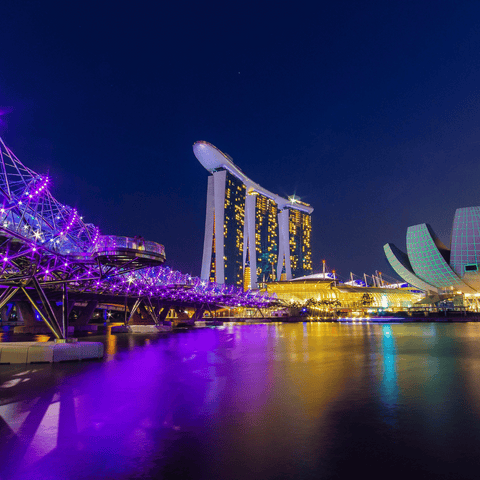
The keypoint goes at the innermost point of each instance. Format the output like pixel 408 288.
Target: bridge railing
pixel 113 243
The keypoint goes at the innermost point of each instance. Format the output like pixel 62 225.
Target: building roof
pixel 314 277
pixel 213 159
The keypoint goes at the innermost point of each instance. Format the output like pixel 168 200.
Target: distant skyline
pixel 369 112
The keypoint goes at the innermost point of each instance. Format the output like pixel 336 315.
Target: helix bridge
pixel 48 252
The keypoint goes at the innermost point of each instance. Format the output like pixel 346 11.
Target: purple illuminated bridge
pixel 48 253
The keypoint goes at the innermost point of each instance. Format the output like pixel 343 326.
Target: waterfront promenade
pixel 264 401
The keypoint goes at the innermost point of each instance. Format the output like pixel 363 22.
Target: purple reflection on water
pixel 259 401
pixel 106 418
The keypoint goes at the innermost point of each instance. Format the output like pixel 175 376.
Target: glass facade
pixel 300 230
pixel 427 257
pixel 456 269
pixel 266 234
pixel 234 219
pixel 233 229
pixel 342 296
pixel 401 264
pixel 466 240
pixel 266 238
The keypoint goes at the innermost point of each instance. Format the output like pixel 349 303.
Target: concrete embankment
pixel 141 329
pixel 48 352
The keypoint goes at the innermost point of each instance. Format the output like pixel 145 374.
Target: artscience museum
pixel 431 266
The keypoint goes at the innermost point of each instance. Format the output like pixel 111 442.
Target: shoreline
pixel 112 329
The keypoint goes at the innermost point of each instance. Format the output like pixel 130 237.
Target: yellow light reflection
pixel 111 344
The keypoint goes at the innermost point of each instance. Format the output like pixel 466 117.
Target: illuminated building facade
pixel 266 237
pixel 431 266
pixel 324 295
pixel 300 226
pixel 251 234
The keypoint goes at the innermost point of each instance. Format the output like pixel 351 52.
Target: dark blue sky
pixel 369 111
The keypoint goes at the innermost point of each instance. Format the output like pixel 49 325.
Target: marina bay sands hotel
pixel 251 234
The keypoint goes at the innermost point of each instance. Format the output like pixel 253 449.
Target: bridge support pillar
pixel 148 315
pixel 163 315
pixel 58 310
pixel 135 319
pixel 183 318
pixel 181 315
pixel 26 314
pixel 86 313
pixel 5 312
pixel 70 305
pixel 141 317
pixel 198 314
pixel 154 311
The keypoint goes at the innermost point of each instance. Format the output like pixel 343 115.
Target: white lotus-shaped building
pixel 429 265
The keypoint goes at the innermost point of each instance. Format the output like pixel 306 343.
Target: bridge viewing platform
pixel 113 251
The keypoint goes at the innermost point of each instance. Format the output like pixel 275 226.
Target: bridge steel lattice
pixel 47 251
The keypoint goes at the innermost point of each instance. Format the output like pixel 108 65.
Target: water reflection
pixel 41 338
pixel 388 385
pixel 111 345
pixel 316 400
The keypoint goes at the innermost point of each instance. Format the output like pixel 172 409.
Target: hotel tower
pixel 251 234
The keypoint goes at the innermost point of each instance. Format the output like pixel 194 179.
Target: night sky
pixel 369 111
